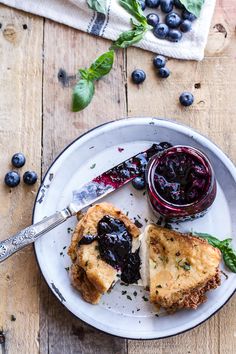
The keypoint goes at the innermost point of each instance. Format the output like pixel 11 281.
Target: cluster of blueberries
pixel 138 76
pixel 12 178
pixel 174 24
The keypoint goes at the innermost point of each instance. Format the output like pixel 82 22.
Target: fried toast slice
pixel 97 274
pixel 182 268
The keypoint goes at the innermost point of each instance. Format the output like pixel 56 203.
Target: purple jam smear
pixel 181 178
pixel 131 168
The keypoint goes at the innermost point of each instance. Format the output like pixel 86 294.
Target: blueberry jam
pixel 181 183
pixel 180 178
pixel 114 241
pixel 115 246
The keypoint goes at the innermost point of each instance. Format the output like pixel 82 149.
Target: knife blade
pixel 89 193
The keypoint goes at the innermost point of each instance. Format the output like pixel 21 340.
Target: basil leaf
pixel 193 6
pixel 134 8
pixel 82 95
pixel 98 5
pixel 130 37
pixel 84 74
pixel 229 257
pixel 211 240
pixel 102 66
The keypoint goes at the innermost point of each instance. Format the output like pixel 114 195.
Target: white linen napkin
pixel 77 14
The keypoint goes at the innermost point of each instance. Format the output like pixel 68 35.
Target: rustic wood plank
pixel 212 114
pixel 60 332
pixel 20 130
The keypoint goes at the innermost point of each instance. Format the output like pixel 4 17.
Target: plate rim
pixel 135 119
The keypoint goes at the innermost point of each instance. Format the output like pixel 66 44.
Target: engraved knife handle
pixel 31 233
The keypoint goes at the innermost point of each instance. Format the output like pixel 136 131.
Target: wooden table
pixel 35 118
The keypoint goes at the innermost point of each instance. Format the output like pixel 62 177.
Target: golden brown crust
pixel 182 268
pixel 96 272
pixel 80 281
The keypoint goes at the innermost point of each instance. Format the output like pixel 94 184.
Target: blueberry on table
pixel 186 99
pixel 188 16
pixel 139 183
pixel 174 35
pixel 12 179
pixel 173 20
pixel 164 72
pixel 30 177
pixel 138 76
pixel 142 4
pixel 185 26
pixel 159 61
pixel 152 3
pixel 178 4
pixel 153 19
pixel 161 31
pixel 18 160
pixel 166 5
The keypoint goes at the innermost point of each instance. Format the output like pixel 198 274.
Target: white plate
pixel 129 315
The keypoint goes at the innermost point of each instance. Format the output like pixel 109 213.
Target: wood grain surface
pixel 39 60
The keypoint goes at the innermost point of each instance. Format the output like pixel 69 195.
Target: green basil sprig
pixel 229 255
pixel 139 27
pixel 84 89
pixel 134 8
pixel 193 6
pixel 98 5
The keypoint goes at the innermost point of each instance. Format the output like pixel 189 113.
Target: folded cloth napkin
pixel 77 14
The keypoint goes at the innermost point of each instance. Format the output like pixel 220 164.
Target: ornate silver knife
pixel 89 193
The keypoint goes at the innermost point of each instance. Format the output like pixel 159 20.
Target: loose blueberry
pixel 186 99
pixel 188 16
pixel 166 5
pixel 152 3
pixel 139 183
pixel 161 31
pixel 18 160
pixel 165 145
pixel 185 26
pixel 159 61
pixel 138 76
pixel 164 72
pixel 178 4
pixel 173 20
pixel 142 4
pixel 153 19
pixel 30 177
pixel 12 179
pixel 174 35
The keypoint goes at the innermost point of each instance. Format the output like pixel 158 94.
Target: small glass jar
pixel 190 172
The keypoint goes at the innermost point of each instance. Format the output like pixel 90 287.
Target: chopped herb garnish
pixel 135 293
pixel 144 298
pixel 92 166
pixel 177 254
pixel 156 315
pixel 172 239
pixel 158 286
pixel 96 248
pixel 157 292
pixel 86 263
pixel 131 194
pixel 61 253
pixel 146 220
pixel 144 193
pixel 139 216
pixel 64 247
pixel 138 310
pixel 127 213
pixel 67 268
pixel 13 318
pixel 129 297
pixel 138 224
pixel 124 292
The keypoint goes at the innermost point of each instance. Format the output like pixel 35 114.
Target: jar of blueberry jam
pixel 181 183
